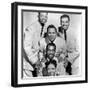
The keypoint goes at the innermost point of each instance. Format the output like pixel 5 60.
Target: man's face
pixel 51 70
pixel 43 17
pixel 65 23
pixel 50 52
pixel 51 34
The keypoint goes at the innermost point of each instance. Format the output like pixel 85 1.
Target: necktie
pixel 42 26
pixel 51 41
pixel 41 31
pixel 65 35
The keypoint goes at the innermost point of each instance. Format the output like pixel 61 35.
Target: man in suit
pixel 72 50
pixel 32 34
pixel 65 21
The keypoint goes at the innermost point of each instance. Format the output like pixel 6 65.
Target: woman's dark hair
pixel 51 62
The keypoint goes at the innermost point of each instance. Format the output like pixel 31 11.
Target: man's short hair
pixel 51 62
pixel 51 26
pixel 41 12
pixel 63 16
pixel 51 44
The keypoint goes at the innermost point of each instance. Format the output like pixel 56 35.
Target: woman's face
pixel 51 70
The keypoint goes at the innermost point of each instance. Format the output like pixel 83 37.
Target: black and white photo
pixel 49 44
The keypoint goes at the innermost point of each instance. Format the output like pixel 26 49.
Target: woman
pixel 51 68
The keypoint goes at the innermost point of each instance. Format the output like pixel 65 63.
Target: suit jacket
pixel 62 33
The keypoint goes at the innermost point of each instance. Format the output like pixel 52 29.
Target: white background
pixel 5 46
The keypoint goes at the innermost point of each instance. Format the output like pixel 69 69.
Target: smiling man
pixel 32 34
pixel 72 46
pixel 65 22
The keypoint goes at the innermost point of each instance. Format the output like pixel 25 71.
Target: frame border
pixel 14 43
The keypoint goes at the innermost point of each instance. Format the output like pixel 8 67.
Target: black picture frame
pixel 14 43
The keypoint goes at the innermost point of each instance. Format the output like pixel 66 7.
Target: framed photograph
pixel 49 44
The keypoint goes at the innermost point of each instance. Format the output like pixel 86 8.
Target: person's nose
pixel 51 52
pixel 51 35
